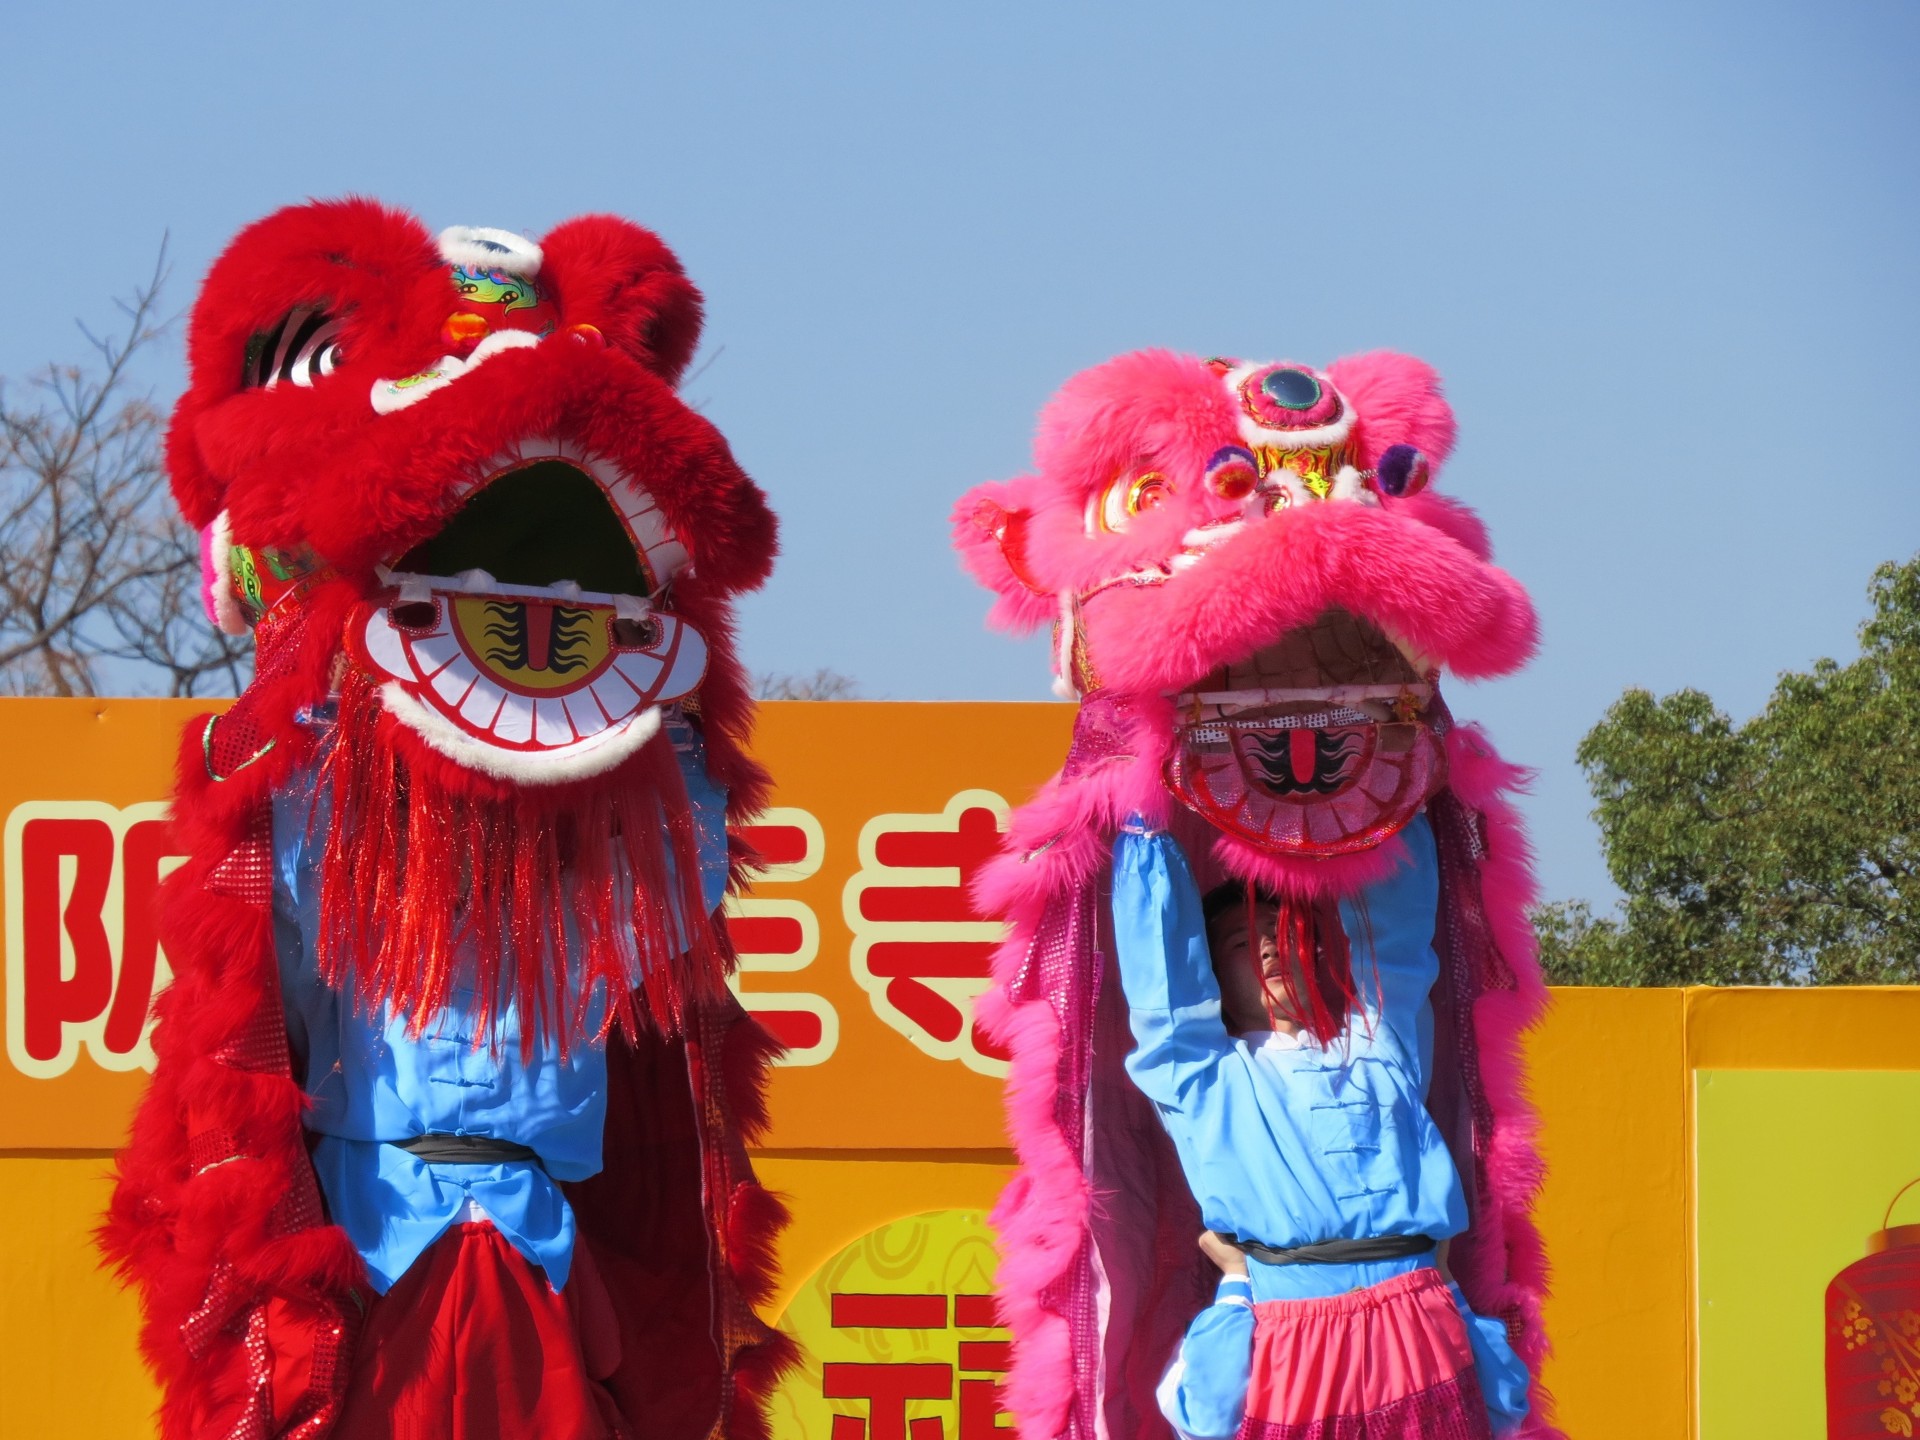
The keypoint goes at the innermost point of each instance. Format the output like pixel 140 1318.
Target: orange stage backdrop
pixel 860 951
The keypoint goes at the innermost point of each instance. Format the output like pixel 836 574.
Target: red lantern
pixel 1873 1337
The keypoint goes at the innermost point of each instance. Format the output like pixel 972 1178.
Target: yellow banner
pixel 859 948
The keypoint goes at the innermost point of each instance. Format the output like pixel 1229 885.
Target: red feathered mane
pixel 352 388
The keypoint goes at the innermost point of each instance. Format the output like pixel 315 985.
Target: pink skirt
pixel 1390 1362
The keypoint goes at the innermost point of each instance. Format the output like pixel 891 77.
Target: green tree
pixel 1785 851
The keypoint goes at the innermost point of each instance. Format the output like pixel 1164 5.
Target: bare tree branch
pixel 99 578
pixel 822 684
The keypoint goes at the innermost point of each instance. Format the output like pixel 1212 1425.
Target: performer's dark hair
pixel 1230 894
pixel 1323 988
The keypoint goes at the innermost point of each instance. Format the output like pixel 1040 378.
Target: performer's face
pixel 1253 984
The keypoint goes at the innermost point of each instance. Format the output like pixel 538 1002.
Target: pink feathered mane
pixel 1099 1274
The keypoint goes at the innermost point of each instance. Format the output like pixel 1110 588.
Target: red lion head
pixel 450 482
pixel 478 442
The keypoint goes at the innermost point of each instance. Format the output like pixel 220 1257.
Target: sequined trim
pixel 246 874
pixel 206 751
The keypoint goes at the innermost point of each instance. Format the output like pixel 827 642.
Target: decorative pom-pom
pixel 1402 471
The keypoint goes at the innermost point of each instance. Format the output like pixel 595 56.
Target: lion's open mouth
pixel 547 515
pixel 1339 662
pixel 531 625
pixel 540 523
pixel 1317 745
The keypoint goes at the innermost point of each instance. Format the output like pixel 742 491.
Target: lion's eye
pixel 1131 494
pixel 1148 492
pixel 301 349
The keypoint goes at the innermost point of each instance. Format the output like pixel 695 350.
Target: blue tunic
pixel 371 1082
pixel 1285 1141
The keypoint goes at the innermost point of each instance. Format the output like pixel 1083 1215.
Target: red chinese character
pixel 982 1402
pixel 84 960
pixel 921 950
pixel 52 1001
pixel 888 1387
pixel 778 936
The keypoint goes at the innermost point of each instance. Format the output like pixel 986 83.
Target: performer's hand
pixel 1223 1252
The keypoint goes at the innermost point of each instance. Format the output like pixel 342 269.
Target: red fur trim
pixel 315 466
pixel 620 278
pixel 177 1212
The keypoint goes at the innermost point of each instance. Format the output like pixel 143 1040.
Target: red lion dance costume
pixel 1253 591
pixel 447 1133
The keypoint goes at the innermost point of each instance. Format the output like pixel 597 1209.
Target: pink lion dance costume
pixel 1253 591
pixel 447 1134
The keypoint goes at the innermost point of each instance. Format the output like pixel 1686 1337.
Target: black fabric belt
pixel 464 1150
pixel 1340 1252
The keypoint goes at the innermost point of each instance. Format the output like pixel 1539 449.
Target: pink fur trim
pixel 1419 568
pixel 1057 843
pixel 209 576
pixel 1481 780
pixel 1017 608
pixel 1415 583
pixel 1399 402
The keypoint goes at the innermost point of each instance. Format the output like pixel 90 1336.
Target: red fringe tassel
pixel 435 878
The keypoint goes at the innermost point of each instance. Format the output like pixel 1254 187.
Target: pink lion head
pixel 1250 562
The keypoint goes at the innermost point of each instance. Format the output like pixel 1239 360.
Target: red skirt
pixel 1390 1362
pixel 473 1344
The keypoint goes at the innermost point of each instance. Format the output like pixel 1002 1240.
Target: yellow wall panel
pixel 837 1197
pixel 1796 1168
pixel 1607 1075
pixel 69 1369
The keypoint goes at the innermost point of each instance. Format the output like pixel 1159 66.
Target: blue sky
pixel 1663 254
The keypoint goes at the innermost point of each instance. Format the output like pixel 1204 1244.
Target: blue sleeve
pixel 298 836
pixel 709 802
pixel 1160 940
pixel 1503 1378
pixel 1204 1394
pixel 1390 929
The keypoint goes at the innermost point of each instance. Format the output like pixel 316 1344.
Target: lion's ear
pixel 195 489
pixel 990 532
pixel 1398 401
pixel 624 281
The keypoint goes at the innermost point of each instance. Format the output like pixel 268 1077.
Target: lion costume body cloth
pixel 1253 592
pixel 447 1131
